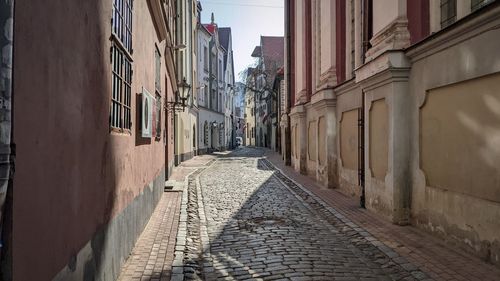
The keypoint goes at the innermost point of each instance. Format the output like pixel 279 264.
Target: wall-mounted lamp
pixel 181 96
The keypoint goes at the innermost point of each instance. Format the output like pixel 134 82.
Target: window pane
pixel 448 12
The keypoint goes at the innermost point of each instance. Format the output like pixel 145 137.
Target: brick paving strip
pixel 431 255
pixel 152 256
pixel 160 248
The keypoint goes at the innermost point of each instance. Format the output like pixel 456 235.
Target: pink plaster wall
pixel 72 174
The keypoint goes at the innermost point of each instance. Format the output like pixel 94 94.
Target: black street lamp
pixel 181 96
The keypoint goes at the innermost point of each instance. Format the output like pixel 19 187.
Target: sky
pixel 248 19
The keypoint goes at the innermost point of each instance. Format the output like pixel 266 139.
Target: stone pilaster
pixel 286 139
pixel 299 126
pixel 386 77
pixel 324 103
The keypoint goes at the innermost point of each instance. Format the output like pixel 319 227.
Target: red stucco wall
pixel 72 174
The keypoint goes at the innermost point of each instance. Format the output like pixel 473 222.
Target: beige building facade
pixel 186 120
pixel 397 102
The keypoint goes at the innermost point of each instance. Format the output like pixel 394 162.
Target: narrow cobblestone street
pixel 240 217
pixel 212 140
pixel 257 224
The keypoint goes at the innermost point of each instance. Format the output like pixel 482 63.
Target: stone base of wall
pixel 102 257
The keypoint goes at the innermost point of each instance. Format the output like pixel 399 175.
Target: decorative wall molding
pixel 301 97
pixel 395 61
pixel 394 36
pixel 298 111
pixel 324 99
pixel 327 79
pixel 421 99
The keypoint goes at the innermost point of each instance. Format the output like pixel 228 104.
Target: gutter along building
pixel 397 102
pixel 93 117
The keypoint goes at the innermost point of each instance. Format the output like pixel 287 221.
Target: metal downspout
pixel 7 148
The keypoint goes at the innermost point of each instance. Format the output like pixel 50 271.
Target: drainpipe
pixel 7 147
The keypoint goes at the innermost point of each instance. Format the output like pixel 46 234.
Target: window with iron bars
pixel 158 94
pixel 121 62
pixel 120 117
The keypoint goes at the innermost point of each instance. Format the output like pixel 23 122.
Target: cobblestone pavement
pixel 253 223
pixel 439 260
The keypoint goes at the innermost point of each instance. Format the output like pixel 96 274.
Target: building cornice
pixel 325 98
pixel 298 110
pixel 390 60
pixel 346 87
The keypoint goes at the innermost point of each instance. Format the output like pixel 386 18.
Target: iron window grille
pixel 121 62
pixel 448 12
pixel 122 22
pixel 120 117
pixel 158 95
